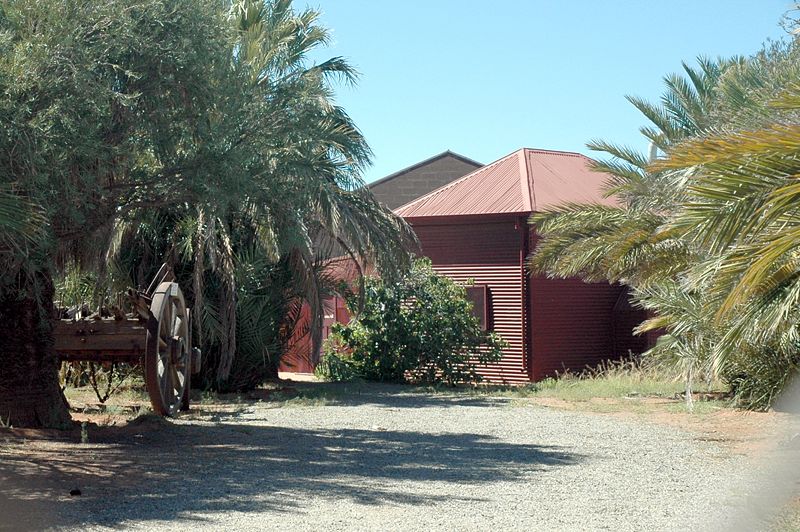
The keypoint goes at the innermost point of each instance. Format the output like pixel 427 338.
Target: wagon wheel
pixel 167 359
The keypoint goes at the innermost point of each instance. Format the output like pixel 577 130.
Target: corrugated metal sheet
pixel 480 243
pixel 571 324
pixel 493 189
pixel 505 293
pixel 524 181
pixel 298 357
pixel 574 325
pixel 563 177
pixel 489 254
pixel 626 317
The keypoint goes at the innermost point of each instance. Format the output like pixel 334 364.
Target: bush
pixel 757 379
pixel 334 367
pixel 419 329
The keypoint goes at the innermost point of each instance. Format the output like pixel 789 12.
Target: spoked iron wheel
pixel 167 360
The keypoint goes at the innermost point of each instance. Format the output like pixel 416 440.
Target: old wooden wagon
pixel 155 335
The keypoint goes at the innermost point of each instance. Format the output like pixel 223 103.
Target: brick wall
pixel 418 181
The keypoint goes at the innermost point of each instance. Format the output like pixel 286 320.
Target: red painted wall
pixel 487 252
pixel 575 325
pixel 298 357
pixel 572 324
pixel 626 318
pixel 550 324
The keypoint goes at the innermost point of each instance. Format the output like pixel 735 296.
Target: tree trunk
pixel 30 395
pixel 689 393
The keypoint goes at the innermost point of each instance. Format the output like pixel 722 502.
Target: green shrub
pixel 419 329
pixel 334 367
pixel 757 380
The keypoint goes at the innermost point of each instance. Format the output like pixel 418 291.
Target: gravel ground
pixel 388 459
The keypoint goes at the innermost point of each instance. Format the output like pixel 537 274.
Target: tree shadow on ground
pixel 156 470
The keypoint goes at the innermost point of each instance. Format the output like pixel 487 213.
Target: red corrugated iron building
pixel 476 228
pixel 299 357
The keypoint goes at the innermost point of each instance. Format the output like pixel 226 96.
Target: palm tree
pixel 627 243
pixel 705 234
pixel 741 204
pixel 298 196
pixel 622 244
pixel 20 224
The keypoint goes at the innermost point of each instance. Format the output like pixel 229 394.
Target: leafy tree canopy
pixel 193 132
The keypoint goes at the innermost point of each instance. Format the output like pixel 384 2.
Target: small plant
pixel 418 329
pixel 105 380
pixel 334 367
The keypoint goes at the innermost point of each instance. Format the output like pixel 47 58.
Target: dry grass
pixel 616 386
pixel 612 387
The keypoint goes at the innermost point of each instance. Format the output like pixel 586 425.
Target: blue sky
pixel 486 78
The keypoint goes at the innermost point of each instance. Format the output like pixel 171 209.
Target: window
pixel 479 295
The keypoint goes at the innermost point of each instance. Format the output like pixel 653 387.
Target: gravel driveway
pixel 389 459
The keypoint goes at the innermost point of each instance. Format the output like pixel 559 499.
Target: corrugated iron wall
pixel 298 357
pixel 568 324
pixel 626 318
pixel 573 324
pixel 487 253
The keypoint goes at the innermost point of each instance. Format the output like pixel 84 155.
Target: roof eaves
pixel 462 217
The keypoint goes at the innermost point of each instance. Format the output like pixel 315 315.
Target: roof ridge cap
pixel 524 185
pixel 530 181
pixel 556 152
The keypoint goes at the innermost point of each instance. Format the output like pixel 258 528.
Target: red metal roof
pixel 525 181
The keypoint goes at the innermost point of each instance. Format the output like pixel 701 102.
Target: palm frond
pixel 21 222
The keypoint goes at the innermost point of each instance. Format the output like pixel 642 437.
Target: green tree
pixel 698 230
pixel 741 204
pixel 104 110
pixel 296 199
pixel 625 243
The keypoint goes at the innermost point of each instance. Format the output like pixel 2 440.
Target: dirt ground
pixel 745 433
pixel 41 463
